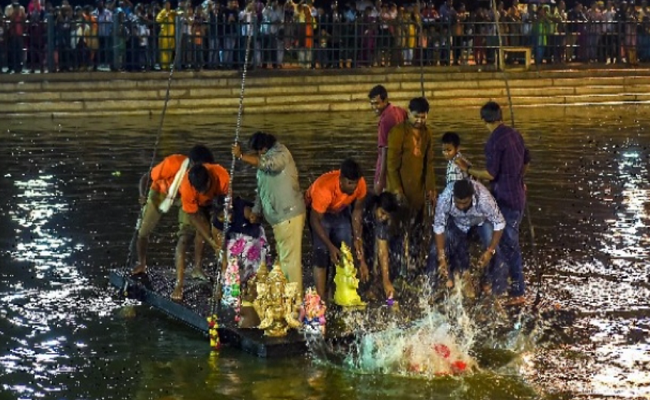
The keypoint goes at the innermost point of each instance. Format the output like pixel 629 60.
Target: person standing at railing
pixel 91 38
pixel 187 47
pixel 631 25
pixel 16 20
pixel 595 28
pixel 306 35
pixel 79 48
pixel 3 43
pixel 460 29
pixel 368 27
pixel 215 30
pixel 577 34
pixel 36 36
pixel 611 42
pixel 480 32
pixel 166 41
pixel 63 35
pixel 540 34
pixel 268 33
pixel 105 33
pixel 230 17
pixel 514 24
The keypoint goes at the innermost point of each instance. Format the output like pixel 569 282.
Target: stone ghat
pixel 271 91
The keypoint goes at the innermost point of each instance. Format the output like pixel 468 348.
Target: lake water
pixel 69 202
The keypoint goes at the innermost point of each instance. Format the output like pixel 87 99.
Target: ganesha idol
pixel 277 304
pixel 346 281
pixel 312 313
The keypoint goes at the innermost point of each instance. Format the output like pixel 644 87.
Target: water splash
pixel 438 343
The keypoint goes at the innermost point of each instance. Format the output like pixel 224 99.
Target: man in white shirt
pixel 462 207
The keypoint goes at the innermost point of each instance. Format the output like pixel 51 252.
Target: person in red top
pixel 202 184
pixel 329 200
pixel 161 178
pixel 389 116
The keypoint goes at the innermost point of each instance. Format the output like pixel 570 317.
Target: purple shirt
pixel 506 154
pixel 391 116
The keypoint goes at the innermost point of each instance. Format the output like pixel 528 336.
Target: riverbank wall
pixel 296 91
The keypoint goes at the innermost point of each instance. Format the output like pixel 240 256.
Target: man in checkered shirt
pixel 465 206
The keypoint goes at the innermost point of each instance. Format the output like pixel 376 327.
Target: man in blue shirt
pixel 507 160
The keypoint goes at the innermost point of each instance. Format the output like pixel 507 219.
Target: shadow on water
pixel 69 202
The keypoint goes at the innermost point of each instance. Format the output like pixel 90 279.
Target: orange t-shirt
pixel 325 195
pixel 191 199
pixel 162 175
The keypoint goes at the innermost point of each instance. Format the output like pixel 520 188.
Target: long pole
pixel 134 238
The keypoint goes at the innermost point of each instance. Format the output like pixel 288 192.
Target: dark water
pixel 69 201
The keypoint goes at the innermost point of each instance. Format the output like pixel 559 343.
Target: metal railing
pixel 66 43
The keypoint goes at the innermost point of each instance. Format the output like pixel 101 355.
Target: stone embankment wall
pixel 217 92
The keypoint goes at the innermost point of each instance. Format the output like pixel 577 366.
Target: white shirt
pixel 483 208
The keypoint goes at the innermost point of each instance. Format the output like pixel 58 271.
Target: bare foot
pixel 450 284
pixel 177 295
pixel 139 269
pixel 199 274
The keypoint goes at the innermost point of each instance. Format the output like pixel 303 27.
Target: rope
pixel 540 270
pixel 129 257
pixel 228 199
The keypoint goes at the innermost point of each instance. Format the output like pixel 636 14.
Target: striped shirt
pixel 506 155
pixel 483 208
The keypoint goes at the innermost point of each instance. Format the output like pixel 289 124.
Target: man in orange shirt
pixel 201 185
pixel 329 199
pixel 161 177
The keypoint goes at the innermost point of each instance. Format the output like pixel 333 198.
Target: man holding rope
pixel 279 198
pixel 507 160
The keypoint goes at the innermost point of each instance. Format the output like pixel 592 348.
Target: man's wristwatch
pixel 493 251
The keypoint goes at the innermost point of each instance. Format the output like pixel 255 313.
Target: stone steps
pixel 217 92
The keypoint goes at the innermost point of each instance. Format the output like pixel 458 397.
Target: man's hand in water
pixel 335 254
pixel 363 271
pixel 389 290
pixel 443 271
pixel 485 258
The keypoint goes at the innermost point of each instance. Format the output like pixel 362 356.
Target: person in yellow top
pixel 166 39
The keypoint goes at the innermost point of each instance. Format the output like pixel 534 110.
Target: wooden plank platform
pixel 155 288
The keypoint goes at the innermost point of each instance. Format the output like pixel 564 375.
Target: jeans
pixel 511 251
pixel 457 250
pixel 338 227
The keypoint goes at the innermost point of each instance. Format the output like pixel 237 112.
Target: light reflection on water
pixel 67 219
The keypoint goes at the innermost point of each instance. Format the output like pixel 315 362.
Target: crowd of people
pixel 120 35
pixel 399 225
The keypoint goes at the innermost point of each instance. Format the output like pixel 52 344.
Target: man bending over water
pixel 462 207
pixel 332 222
pixel 162 177
pixel 203 183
